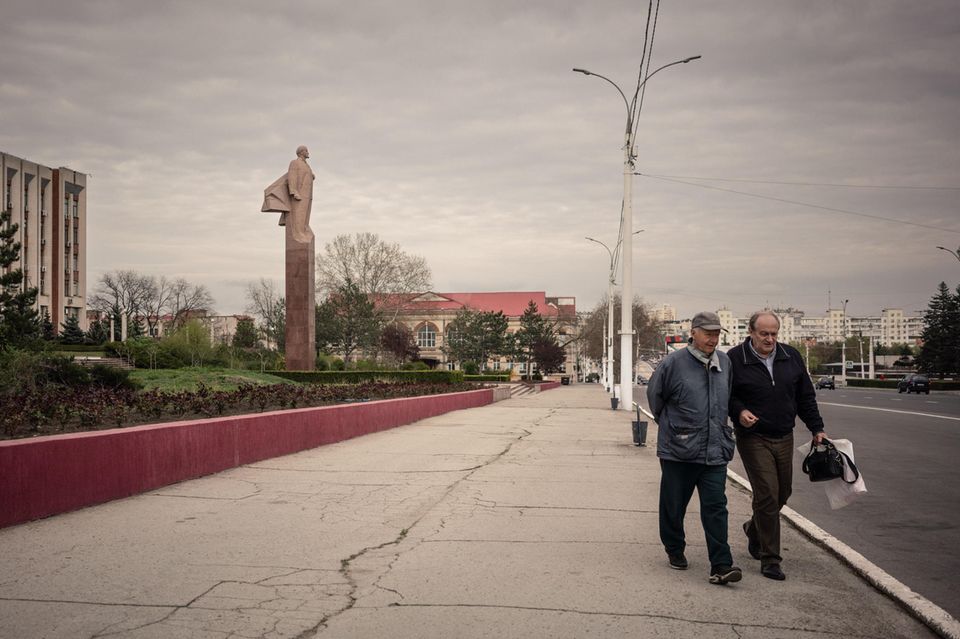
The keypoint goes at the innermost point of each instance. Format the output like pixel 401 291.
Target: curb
pixel 932 615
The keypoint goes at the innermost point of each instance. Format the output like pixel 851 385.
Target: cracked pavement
pixel 532 517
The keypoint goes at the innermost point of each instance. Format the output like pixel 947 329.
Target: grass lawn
pixel 181 379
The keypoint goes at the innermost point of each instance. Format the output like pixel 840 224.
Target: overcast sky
pixel 458 130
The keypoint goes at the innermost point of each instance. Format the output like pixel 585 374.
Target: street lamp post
pixel 956 253
pixel 626 232
pixel 843 348
pixel 608 342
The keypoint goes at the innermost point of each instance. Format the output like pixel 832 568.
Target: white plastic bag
pixel 840 493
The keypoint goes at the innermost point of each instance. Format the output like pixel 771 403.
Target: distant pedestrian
pixel 689 394
pixel 770 389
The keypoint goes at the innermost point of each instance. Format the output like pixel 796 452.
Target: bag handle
pixel 849 463
pixel 843 456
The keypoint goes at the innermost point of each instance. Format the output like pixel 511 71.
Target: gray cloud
pixel 458 130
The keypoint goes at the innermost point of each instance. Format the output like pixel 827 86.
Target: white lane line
pixel 895 399
pixel 929 402
pixel 892 410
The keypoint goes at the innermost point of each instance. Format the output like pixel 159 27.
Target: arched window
pixel 427 335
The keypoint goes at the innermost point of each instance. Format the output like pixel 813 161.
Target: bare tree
pixel 265 302
pixel 158 300
pixel 125 290
pixel 378 269
pixel 186 298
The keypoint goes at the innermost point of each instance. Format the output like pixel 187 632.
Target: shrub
pixel 355 377
pixel 415 366
pixel 470 368
pixel 487 378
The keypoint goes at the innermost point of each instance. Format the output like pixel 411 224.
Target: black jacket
pixel 777 401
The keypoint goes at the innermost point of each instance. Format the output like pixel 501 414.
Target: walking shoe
pixel 723 575
pixel 772 571
pixel 678 561
pixel 753 546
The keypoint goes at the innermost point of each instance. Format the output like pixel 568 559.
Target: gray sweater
pixel 690 400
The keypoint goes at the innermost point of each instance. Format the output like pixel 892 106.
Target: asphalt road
pixel 908 523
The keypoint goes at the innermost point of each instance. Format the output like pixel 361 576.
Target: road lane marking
pixel 892 410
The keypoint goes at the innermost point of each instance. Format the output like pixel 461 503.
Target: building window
pixel 427 336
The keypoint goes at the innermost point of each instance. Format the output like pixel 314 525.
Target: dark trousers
pixel 769 466
pixel 677 481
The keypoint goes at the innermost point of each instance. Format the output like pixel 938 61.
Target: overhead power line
pixel 847 186
pixel 807 204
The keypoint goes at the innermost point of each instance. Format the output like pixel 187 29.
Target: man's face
pixel 763 335
pixel 705 341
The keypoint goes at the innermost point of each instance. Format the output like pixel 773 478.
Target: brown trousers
pixel 769 466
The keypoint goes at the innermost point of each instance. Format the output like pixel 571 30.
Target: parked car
pixel 641 380
pixel 914 383
pixel 826 382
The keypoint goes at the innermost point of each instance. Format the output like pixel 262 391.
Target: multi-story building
pixel 664 313
pixel 50 207
pixel 429 316
pixel 892 326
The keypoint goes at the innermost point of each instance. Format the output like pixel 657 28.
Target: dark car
pixel 914 383
pixel 826 382
pixel 641 380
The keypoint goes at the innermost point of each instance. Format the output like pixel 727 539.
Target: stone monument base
pixel 300 351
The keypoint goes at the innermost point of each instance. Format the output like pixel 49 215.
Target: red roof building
pixel 428 315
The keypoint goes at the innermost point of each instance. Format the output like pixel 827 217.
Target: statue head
pixel 302 152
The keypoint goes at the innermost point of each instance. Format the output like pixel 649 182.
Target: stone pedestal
pixel 300 349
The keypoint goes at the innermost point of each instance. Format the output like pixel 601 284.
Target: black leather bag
pixel 824 462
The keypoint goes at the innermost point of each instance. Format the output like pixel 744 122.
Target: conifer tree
pixel 20 323
pixel 70 332
pixel 940 354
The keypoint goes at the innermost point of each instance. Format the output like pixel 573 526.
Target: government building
pixel 50 207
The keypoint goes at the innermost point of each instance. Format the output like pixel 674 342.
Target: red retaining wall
pixel 48 475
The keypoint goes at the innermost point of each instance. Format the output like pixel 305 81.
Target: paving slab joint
pixel 921 608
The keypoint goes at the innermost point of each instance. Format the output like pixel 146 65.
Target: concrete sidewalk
pixel 533 517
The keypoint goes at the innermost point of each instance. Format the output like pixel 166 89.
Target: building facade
pixel 50 207
pixel 891 327
pixel 429 316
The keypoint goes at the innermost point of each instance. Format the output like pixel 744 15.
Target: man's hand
pixel 748 419
pixel 297 197
pixel 819 437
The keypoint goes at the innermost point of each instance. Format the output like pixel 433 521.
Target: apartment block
pixel 50 207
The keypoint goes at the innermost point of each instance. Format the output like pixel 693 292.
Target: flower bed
pixel 49 410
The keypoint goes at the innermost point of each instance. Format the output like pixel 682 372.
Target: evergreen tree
pixel 476 336
pixel 246 335
pixel 940 354
pixel 534 330
pixel 99 332
pixel 70 331
pixel 347 321
pixel 46 327
pixel 20 323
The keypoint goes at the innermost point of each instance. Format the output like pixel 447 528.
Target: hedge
pixel 77 348
pixel 487 378
pixel 355 377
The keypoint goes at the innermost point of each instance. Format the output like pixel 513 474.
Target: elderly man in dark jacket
pixel 770 389
pixel 688 395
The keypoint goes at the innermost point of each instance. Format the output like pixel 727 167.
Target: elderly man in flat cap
pixel 689 394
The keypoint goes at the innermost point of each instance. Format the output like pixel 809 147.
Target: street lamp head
pixel 692 58
pixel 583 71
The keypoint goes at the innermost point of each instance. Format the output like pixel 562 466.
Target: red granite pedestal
pixel 300 349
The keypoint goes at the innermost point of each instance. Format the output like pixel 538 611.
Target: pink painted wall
pixel 49 475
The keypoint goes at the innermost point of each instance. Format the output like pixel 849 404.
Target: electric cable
pixel 781 182
pixel 807 204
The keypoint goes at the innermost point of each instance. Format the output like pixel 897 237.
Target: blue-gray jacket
pixel 690 402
